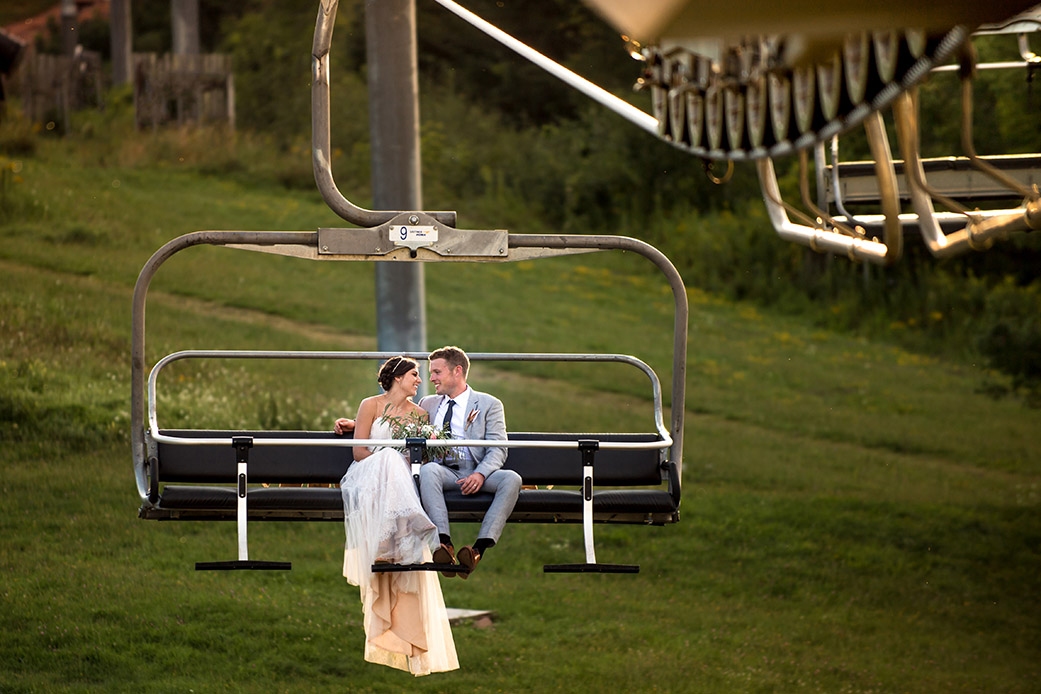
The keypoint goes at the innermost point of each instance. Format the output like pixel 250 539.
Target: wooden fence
pixel 168 88
pixel 52 86
pixel 183 89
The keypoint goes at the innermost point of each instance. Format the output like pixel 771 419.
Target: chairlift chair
pixel 205 475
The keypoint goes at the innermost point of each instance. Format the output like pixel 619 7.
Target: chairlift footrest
pixel 591 568
pixel 429 566
pixel 243 565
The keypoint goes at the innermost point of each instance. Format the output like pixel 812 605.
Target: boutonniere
pixel 472 416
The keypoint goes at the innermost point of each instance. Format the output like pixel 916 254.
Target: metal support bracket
pixel 588 448
pixel 242 444
pixel 404 236
pixel 416 450
pixel 153 478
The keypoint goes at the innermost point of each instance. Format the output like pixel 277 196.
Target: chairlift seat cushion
pixel 189 497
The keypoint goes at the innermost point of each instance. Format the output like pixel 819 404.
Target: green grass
pixel 856 518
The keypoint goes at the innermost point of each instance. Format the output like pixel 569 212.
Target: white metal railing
pixel 155 433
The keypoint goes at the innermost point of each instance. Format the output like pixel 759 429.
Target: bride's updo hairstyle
pixel 394 367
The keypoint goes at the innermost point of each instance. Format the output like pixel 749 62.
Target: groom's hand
pixel 471 483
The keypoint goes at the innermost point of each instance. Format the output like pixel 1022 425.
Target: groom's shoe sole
pixel 444 555
pixel 468 558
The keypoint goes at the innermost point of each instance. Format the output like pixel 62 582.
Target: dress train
pixel 405 619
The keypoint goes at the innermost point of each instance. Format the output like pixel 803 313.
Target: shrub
pixel 1010 335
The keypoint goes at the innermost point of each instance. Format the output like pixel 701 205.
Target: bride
pixel 406 623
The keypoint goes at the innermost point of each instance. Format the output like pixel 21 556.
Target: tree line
pixel 508 145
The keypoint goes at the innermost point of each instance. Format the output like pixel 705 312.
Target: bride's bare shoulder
pixel 370 404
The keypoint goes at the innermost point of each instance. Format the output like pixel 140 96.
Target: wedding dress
pixel 406 623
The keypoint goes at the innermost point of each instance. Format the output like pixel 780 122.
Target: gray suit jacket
pixel 485 419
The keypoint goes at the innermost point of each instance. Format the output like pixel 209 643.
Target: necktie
pixel 447 424
pixel 453 454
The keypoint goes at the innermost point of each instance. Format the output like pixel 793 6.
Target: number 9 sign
pixel 413 237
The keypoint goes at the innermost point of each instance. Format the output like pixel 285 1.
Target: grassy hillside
pixel 856 518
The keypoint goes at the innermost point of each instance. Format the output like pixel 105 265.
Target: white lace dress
pixel 406 623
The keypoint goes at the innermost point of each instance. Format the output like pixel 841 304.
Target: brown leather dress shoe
pixel 445 555
pixel 468 557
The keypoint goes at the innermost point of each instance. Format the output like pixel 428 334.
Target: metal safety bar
pixel 242 444
pixel 154 431
pixel 588 449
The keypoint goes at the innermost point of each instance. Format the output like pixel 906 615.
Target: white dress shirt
pixel 458 424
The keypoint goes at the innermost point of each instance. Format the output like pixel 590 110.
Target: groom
pixel 470 415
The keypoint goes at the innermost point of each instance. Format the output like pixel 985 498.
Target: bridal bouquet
pixel 416 426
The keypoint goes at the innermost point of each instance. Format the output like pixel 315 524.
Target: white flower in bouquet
pixel 416 426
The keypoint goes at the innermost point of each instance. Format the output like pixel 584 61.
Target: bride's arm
pixel 363 426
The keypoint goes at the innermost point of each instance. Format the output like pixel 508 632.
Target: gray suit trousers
pixel 435 478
